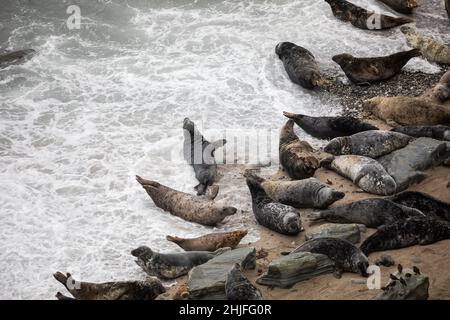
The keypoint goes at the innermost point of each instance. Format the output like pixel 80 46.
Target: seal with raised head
pixel 375 69
pixel 297 157
pixel 16 57
pixel 211 241
pixel 432 49
pixel 372 144
pixel 300 65
pixel 402 6
pixel 440 93
pixel 345 255
pixel 365 172
pixel 238 287
pixel 407 111
pixel 370 212
pixel 363 19
pixel 436 132
pixel 271 214
pixel 117 290
pixel 170 265
pixel 199 153
pixel 329 127
pixel 191 208
pixel 406 233
pixel 306 193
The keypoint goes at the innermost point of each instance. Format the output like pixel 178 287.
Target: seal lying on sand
pixel 363 19
pixel 199 153
pixel 345 255
pixel 431 49
pixel 440 93
pixel 407 111
pixel 16 57
pixel 365 172
pixel 423 202
pixel 307 193
pixel 270 214
pixel 329 127
pixel 436 132
pixel 186 206
pixel 238 287
pixel 210 242
pixel 406 233
pixel 372 144
pixel 370 212
pixel 300 65
pixel 170 265
pixel 402 6
pixel 371 70
pixel 297 157
pixel 117 290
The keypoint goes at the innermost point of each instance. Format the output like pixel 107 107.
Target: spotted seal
pixel 211 241
pixel 238 287
pixel 436 132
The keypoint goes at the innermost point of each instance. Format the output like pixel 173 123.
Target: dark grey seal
pixel 16 57
pixel 438 132
pixel 270 214
pixel 199 153
pixel 406 233
pixel 238 287
pixel 329 127
pixel 402 6
pixel 447 7
pixel 345 255
pixel 370 212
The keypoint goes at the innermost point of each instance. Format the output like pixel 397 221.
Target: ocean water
pixel 100 104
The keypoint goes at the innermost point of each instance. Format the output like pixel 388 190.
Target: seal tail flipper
pixel 212 192
pixel 147 183
pixel 174 239
pixel 62 278
pixel 201 189
pixel 220 251
pixel 326 163
pixel 413 53
pixel 219 143
pixel 60 296
pixel 290 115
pixel 315 218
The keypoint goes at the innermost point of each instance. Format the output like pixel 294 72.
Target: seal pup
pixel 270 214
pixel 363 19
pixel 440 93
pixel 203 161
pixel 423 202
pixel 376 69
pixel 372 144
pixel 191 208
pixel 407 111
pixel 297 157
pixel 345 255
pixel 117 290
pixel 402 6
pixel 307 193
pixel 406 233
pixel 329 127
pixel 436 132
pixel 211 241
pixel 432 49
pixel 370 212
pixel 300 65
pixel 170 265
pixel 16 57
pixel 238 287
pixel 365 172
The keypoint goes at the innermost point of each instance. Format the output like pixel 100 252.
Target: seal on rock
pixel 300 65
pixel 406 233
pixel 270 214
pixel 210 242
pixel 238 287
pixel 345 255
pixel 436 132
pixel 329 127
pixel 117 290
pixel 363 19
pixel 170 265
pixel 432 49
pixel 16 57
pixel 440 93
pixel 365 172
pixel 370 212
pixel 191 208
pixel 297 157
pixel 306 193
pixel 376 69
pixel 402 6
pixel 199 153
pixel 372 144
pixel 407 111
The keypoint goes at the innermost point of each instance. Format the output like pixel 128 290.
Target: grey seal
pixel 438 132
pixel 211 241
pixel 16 57
pixel 402 6
pixel 238 287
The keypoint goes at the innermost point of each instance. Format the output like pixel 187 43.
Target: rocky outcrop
pixel 349 232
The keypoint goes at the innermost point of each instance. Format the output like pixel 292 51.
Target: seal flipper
pixel 147 183
pixel 63 279
pixel 326 163
pixel 60 296
pixel 212 192
pixel 201 189
pixel 218 144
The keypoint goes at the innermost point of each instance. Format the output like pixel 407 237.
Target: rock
pixel 405 165
pixel 386 261
pixel 409 286
pixel 295 267
pixel 238 287
pixel 349 232
pixel 207 281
